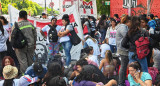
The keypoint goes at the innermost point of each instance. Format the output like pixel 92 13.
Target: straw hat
pixel 10 72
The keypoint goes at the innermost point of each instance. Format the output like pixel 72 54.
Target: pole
pixel 51 9
pixel 45 6
pixel 129 8
pixel 148 7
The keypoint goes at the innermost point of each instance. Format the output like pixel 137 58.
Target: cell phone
pixel 138 71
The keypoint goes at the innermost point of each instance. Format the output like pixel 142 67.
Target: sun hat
pixel 27 80
pixel 10 72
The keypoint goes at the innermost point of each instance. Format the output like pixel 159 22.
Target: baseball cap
pixel 27 80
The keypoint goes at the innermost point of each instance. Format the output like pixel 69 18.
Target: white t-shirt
pixel 94 45
pixel 103 48
pixel 111 35
pixel 94 59
pixel 47 28
pixel 65 38
pixel 16 82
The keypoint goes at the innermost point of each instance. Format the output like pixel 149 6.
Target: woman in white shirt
pixel 111 36
pixel 64 38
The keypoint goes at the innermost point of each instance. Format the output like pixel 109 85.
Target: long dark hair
pixel 101 22
pixel 54 69
pixel 8 82
pixel 108 55
pixel 1 28
pixel 91 73
pixel 135 25
pixel 87 20
pixel 4 19
pixel 56 81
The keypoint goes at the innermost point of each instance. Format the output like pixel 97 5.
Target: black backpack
pixel 52 34
pixel 18 40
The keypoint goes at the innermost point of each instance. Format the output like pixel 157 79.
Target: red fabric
pixel 153 72
pixel 85 30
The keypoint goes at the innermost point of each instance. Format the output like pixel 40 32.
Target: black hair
pixel 91 73
pixel 82 62
pixel 152 16
pixel 136 65
pixel 87 20
pixel 88 49
pixel 56 81
pixel 134 26
pixel 23 14
pixel 66 18
pixel 1 28
pixel 116 15
pixel 144 19
pixel 101 21
pixel 4 19
pixel 54 69
pixel 8 82
pixel 114 21
pixel 53 18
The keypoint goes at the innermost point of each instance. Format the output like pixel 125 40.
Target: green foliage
pixel 27 5
pixel 102 8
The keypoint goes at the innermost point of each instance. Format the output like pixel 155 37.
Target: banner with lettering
pixel 41 47
pixel 87 8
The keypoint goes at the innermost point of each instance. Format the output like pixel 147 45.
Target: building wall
pixel 117 7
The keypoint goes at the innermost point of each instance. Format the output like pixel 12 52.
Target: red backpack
pixel 142 47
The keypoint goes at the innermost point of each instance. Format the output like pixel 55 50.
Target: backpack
pixel 52 34
pixel 153 72
pixel 18 40
pixel 157 25
pixel 142 46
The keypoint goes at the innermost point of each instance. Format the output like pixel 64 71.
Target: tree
pixel 27 5
pixel 102 8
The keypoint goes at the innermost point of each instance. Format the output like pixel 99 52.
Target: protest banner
pixel 41 47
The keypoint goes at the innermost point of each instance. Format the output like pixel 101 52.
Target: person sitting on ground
pixel 80 63
pixel 27 80
pixel 36 70
pixel 9 73
pixel 57 81
pixel 89 50
pixel 107 62
pixel 55 68
pixel 103 48
pixel 7 60
pixel 138 78
pixel 92 76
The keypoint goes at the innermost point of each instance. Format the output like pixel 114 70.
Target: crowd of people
pixel 118 51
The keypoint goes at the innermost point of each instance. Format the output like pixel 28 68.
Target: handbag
pixel 74 38
pixel 125 42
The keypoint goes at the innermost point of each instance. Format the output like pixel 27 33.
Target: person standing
pixel 64 38
pixel 152 23
pixel 111 36
pixel 25 55
pixel 53 45
pixel 3 46
pixel 102 27
pixel 122 30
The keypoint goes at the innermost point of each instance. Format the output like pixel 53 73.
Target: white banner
pixel 41 48
pixel 88 8
pixel 84 8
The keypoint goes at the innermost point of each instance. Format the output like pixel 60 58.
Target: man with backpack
pixel 23 40
pixel 52 37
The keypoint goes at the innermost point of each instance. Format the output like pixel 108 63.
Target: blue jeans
pixel 113 48
pixel 67 48
pixel 103 34
pixel 143 61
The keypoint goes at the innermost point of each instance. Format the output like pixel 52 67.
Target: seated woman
pixel 92 76
pixel 7 60
pixel 107 63
pixel 10 74
pixel 138 78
